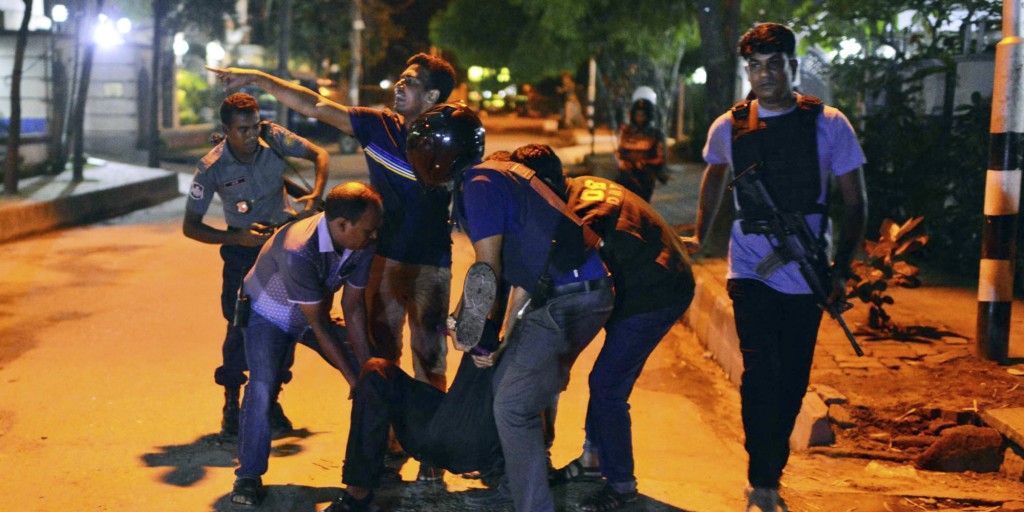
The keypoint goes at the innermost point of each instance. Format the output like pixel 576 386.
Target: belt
pixel 582 286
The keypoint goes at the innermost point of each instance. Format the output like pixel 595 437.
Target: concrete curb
pixel 112 189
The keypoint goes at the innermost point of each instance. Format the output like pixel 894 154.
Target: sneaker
pixel 606 499
pixel 764 499
pixel 429 473
pixel 478 293
pixel 279 423
pixel 346 503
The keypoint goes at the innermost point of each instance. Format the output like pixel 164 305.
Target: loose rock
pixel 964 448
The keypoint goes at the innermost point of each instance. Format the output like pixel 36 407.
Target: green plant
pixel 883 266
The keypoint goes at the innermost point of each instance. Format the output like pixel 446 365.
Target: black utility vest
pixel 785 150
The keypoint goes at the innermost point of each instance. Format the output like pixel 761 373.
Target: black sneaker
pixel 478 293
pixel 606 499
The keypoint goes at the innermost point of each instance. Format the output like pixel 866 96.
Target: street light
pixel 59 13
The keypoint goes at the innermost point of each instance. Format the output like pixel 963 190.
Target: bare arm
pixel 353 304
pixel 318 316
pixel 320 159
pixel 851 228
pixel 294 96
pixel 488 251
pixel 194 227
pixel 712 188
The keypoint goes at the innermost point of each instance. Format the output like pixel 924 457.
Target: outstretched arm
pixel 294 96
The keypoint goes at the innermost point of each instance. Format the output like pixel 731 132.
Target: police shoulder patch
pixel 196 191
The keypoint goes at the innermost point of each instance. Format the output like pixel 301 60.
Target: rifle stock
pixel 792 240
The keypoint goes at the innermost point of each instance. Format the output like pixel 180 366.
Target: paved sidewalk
pixel 109 189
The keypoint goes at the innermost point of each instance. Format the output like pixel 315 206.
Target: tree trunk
pixel 159 12
pixel 14 130
pixel 283 51
pixel 719 33
pixel 78 118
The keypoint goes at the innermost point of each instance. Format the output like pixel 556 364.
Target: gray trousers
pixel 533 369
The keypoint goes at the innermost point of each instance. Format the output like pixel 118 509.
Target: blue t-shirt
pixel 502 203
pixel 415 226
pixel 299 265
pixel 839 153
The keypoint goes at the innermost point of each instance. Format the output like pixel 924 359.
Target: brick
pixel 829 394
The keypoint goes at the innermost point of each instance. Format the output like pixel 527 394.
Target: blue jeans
pixel 533 369
pixel 266 347
pixel 627 345
pixel 237 262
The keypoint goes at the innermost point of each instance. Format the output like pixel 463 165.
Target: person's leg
pixel 531 371
pixel 796 354
pixel 387 305
pixel 266 346
pixel 524 384
pixel 428 310
pixel 385 395
pixel 231 374
pixel 628 343
pixel 777 334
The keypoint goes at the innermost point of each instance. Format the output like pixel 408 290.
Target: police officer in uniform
pixel 246 170
pixel 798 146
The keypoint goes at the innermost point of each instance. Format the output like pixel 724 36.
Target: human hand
pixel 838 295
pixel 233 78
pixel 256 235
pixel 486 361
pixel 310 205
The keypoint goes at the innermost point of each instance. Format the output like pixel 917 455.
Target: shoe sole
pixel 478 293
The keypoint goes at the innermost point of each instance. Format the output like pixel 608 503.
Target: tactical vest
pixel 785 150
pixel 571 238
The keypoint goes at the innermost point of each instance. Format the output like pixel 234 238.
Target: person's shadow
pixel 188 463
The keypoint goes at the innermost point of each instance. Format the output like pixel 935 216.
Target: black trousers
pixel 777 334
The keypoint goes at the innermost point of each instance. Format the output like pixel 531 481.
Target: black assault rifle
pixel 792 240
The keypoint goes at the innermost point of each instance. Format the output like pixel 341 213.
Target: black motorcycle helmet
pixel 442 142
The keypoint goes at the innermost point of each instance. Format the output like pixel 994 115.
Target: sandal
pixel 574 471
pixel 247 492
pixel 606 499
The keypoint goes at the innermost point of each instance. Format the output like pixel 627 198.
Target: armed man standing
pixel 795 145
pixel 247 171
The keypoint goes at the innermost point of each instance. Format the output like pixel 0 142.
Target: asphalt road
pixel 109 335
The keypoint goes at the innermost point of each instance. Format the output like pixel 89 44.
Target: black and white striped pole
pixel 1002 191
